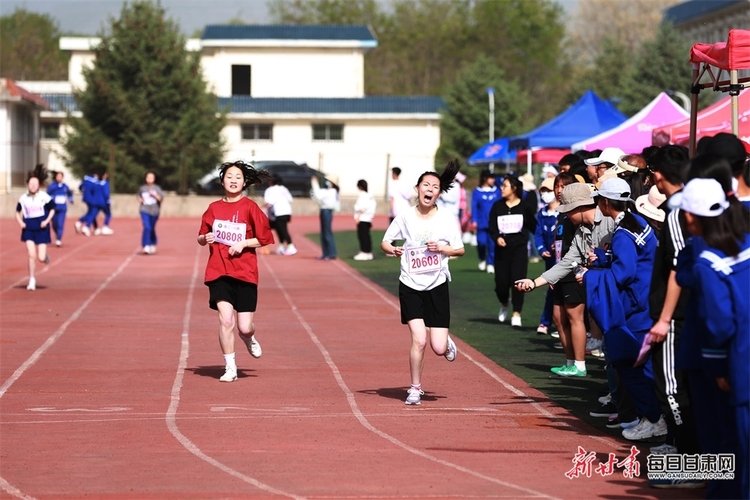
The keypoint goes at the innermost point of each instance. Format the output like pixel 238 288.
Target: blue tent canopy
pixel 589 116
pixel 493 152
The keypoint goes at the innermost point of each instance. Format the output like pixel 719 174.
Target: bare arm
pixel 661 328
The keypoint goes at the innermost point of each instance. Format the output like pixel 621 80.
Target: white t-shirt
pixel 280 200
pixel 401 195
pixel 416 232
pixel 365 206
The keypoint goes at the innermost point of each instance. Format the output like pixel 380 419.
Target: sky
pixel 87 17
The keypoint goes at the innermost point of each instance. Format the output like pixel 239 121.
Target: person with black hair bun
pixel 431 236
pixel 234 227
pixel 34 212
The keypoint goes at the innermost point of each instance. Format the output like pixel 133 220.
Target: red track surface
pixel 109 374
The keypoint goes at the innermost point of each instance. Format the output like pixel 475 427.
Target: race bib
pixel 34 211
pixel 421 261
pixel 148 199
pixel 229 233
pixel 61 199
pixel 510 224
pixel 558 250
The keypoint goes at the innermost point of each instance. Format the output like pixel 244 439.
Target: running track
pixel 109 388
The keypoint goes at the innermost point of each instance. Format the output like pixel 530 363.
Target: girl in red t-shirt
pixel 234 227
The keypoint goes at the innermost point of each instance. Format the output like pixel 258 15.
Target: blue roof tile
pixel 287 32
pixel 300 105
pixel 693 9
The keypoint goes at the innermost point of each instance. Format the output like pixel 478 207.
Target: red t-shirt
pixel 229 219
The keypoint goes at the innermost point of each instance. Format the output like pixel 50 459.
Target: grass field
pixel 474 310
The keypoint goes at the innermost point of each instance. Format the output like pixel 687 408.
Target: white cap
pixel 614 188
pixel 702 197
pixel 609 155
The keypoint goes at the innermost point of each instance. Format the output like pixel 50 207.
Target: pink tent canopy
pixel 541 155
pixel 710 121
pixel 635 134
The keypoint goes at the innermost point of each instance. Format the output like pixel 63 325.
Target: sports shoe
pixel 78 227
pixel 605 410
pixel 646 430
pixel 541 329
pixel 291 249
pixel 555 334
pixel 515 321
pixel 32 284
pixel 106 230
pixel 605 399
pixel 58 243
pixel 663 449
pixel 503 314
pixel 571 371
pixel 253 347
pixel 593 344
pixel 558 369
pixel 363 256
pixel 280 251
pixel 482 265
pixel 618 423
pixel 97 232
pixel 450 353
pixel 230 374
pixel 86 231
pixel 676 483
pixel 490 269
pixel 414 396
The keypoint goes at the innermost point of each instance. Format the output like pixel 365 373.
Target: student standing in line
pixel 722 274
pixel 150 197
pixel 62 195
pixel 234 227
pixel 511 222
pixel 364 212
pixel 34 212
pixel 544 239
pixel 328 199
pixel 430 237
pixel 278 202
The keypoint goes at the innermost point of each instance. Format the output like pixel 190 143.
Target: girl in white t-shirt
pixel 278 202
pixel 431 236
pixel 34 212
pixel 364 212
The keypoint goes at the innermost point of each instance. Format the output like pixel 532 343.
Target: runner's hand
pixel 209 237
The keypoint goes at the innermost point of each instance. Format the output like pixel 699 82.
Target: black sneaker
pixel 605 410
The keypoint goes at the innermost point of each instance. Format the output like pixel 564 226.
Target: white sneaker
pixel 106 230
pixel 78 227
pixel 97 232
pixel 363 256
pixel 541 329
pixel 253 347
pixel 482 265
pixel 230 374
pixel 515 321
pixel 280 251
pixel 663 449
pixel 450 353
pixel 490 269
pixel 31 285
pixel 291 250
pixel 58 243
pixel 593 344
pixel 555 334
pixel 646 430
pixel 414 396
pixel 503 314
pixel 86 231
pixel 605 399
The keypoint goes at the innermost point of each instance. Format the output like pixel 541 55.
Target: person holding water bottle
pixel 234 227
pixel 431 236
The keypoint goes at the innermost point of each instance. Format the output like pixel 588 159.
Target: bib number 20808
pixel 229 233
pixel 421 260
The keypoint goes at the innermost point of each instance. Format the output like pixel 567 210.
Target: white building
pixel 293 93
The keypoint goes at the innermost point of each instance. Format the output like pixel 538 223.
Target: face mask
pixel 548 197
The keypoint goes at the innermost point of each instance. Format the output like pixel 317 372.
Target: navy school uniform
pixel 544 239
pixel 35 209
pixel 61 195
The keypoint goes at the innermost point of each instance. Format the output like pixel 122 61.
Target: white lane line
pixel 510 387
pixel 6 486
pixel 363 420
pixel 175 400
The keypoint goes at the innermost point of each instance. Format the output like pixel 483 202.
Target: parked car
pixel 295 176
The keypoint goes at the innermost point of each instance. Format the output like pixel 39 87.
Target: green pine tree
pixel 465 123
pixel 146 102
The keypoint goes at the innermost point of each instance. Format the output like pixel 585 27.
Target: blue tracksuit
pixel 106 208
pixel 618 300
pixel 93 198
pixel 544 239
pixel 482 199
pixel 61 194
pixel 723 289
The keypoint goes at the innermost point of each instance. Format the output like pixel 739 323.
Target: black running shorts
pixel 433 306
pixel 242 295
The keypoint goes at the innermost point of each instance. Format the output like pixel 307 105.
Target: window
pixel 240 80
pixel 51 130
pixel 328 132
pixel 257 132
